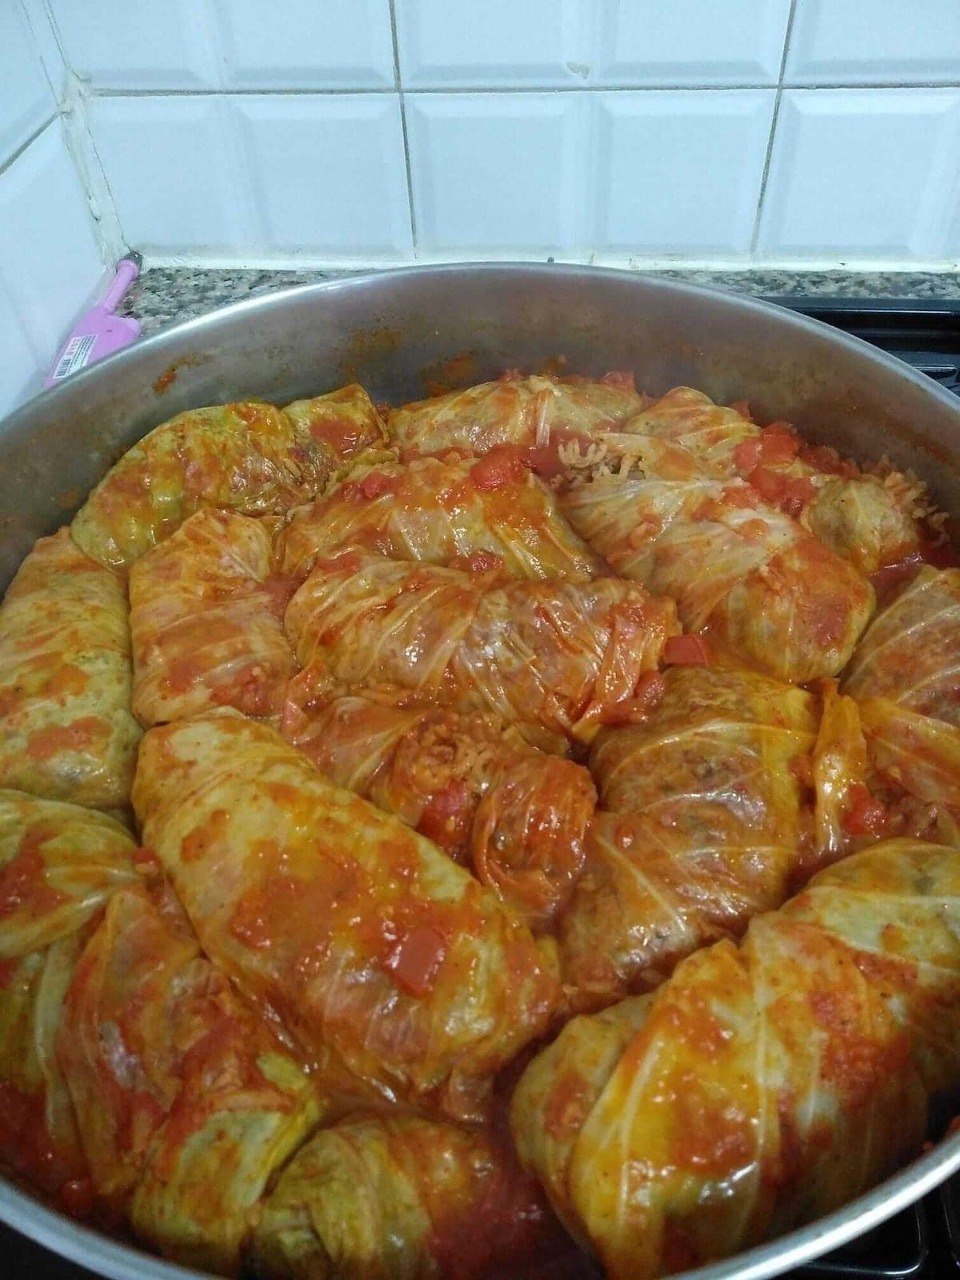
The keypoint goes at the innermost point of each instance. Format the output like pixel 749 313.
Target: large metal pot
pixel 403 333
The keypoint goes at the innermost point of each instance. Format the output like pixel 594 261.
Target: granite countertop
pixel 168 295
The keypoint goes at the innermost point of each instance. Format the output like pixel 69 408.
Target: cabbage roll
pixel 59 864
pixel 391 967
pixel 705 828
pixel 867 519
pixel 205 617
pixel 441 512
pixel 910 653
pixel 248 457
pixel 518 411
pixel 398 1198
pixel 514 815
pixel 186 1102
pixel 905 675
pixel 556 658
pixel 66 731
pixel 768 593
pixel 763 1086
pixel 344 424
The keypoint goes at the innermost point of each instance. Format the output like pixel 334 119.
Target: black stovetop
pixel 923 1242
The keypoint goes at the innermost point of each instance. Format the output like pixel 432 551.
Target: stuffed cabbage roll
pixel 344 424
pixel 248 457
pixel 59 864
pixel 186 1102
pixel 389 964
pixel 769 594
pixel 205 617
pixel 911 651
pixel 514 410
pixel 705 828
pixel 442 512
pixel 870 520
pixel 512 814
pixel 556 658
pixel 905 675
pixel 763 1086
pixel 66 731
pixel 399 1197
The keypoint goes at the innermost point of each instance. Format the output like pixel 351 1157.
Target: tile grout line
pixel 398 89
pixel 15 155
pixel 383 90
pixel 761 201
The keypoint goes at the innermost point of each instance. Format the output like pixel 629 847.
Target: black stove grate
pixel 924 334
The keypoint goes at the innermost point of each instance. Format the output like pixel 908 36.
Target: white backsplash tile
pixel 678 172
pixel 327 173
pixel 26 101
pixel 231 44
pixel 688 42
pixel 497 172
pixel 49 263
pixel 874 42
pixel 497 43
pixel 303 44
pixel 44 39
pixel 863 173
pixel 115 45
pixel 171 164
pixel 297 172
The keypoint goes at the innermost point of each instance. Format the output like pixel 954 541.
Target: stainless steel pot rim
pixel 118 1261
pixel 175 335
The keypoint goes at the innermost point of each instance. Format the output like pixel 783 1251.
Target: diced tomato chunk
pixel 686 651
pixel 770 485
pixel 747 454
pixel 445 815
pixel 800 492
pixel 778 443
pixel 865 815
pixel 504 464
pixel 741 496
pixel 374 484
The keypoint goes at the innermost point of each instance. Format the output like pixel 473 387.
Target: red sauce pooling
pixel 81 735
pixel 23 882
pixel 415 960
pixel 686 651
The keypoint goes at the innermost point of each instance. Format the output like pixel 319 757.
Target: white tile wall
pixel 500 43
pixel 306 44
pixel 247 174
pixel 50 266
pixel 498 171
pixel 688 42
pixel 134 44
pixel 326 173
pixel 874 42
pixel 875 171
pixel 26 100
pixel 679 172
pixel 216 44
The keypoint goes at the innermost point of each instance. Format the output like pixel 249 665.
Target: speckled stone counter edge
pixel 168 295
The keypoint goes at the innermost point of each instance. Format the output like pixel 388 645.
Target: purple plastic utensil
pixel 99 332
